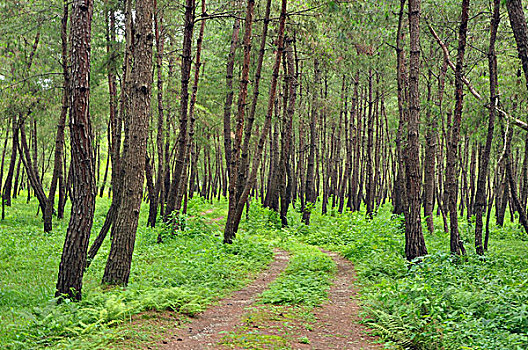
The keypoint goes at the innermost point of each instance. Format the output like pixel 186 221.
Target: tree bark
pixel 73 260
pixel 369 188
pixel 285 161
pixel 117 270
pixel 59 138
pixel 229 231
pixel 229 96
pixel 399 196
pixel 7 192
pixel 456 244
pixel 414 240
pixel 190 7
pixel 309 185
pixel 116 125
pixel 480 195
pixel 159 188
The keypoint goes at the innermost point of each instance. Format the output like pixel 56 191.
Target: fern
pixel 393 328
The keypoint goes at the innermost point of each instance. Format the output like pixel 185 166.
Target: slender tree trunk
pixel 159 187
pixel 192 116
pixel 229 231
pixel 244 152
pixel 309 184
pixel 33 177
pixel 59 138
pixel 117 270
pixel 73 260
pixel 429 161
pixel 229 97
pixel 116 122
pixel 456 244
pixel 7 192
pixel 399 196
pixel 349 124
pixel 285 162
pixel 190 7
pixel 414 240
pixel 480 196
pixel 369 189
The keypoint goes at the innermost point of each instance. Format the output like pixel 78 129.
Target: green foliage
pixel 305 281
pixel 185 274
pixel 443 302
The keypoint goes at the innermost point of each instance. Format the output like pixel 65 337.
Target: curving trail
pixel 334 325
pixel 208 327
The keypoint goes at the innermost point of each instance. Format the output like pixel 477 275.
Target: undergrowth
pixel 444 302
pixel 305 281
pixel 185 274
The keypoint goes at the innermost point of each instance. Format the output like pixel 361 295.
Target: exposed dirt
pixel 336 325
pixel 217 219
pixel 333 325
pixel 207 329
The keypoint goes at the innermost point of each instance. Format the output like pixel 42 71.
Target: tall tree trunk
pixel 231 228
pixel 244 152
pixel 229 231
pixel 414 240
pixel 116 122
pixel 309 185
pixel 59 138
pixel 349 124
pixel 117 270
pixel 472 175
pixel 285 161
pixel 192 116
pixel 229 97
pixel 399 197
pixel 429 161
pixel 160 188
pixel 480 196
pixel 456 244
pixel 73 258
pixel 369 189
pixel 190 7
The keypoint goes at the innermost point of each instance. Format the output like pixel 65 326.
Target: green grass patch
pixel 271 327
pixel 185 274
pixel 305 281
pixel 444 302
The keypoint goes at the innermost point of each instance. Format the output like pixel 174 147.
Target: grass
pixel 443 303
pixel 185 274
pixel 271 327
pixel 305 281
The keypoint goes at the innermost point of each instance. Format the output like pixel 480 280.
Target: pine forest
pixel 264 174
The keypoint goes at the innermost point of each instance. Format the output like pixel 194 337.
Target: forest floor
pixel 331 285
pixel 239 322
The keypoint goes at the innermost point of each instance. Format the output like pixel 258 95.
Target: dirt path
pixel 208 328
pixel 333 325
pixel 336 325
